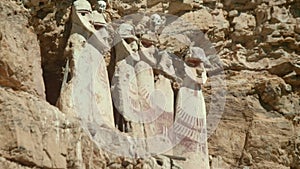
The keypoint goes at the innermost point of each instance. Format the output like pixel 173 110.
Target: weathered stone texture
pixel 258 42
pixel 20 57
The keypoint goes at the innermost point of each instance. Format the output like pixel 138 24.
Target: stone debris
pixel 151 3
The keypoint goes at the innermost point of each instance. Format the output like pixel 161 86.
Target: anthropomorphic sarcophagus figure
pixel 124 83
pixel 190 117
pixel 87 93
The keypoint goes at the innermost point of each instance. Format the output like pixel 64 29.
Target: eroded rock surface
pixel 257 41
pixel 20 57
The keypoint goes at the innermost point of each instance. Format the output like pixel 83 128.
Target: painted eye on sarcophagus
pixel 83 12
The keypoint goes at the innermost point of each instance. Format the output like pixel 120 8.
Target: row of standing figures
pixel 144 91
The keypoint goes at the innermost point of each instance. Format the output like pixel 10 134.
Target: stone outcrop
pixel 20 59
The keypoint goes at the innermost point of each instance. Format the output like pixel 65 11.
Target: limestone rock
pixel 151 3
pixel 243 29
pixel 233 13
pixel 54 140
pixel 280 14
pixel 36 141
pixel 297 26
pixel 257 42
pixel 213 24
pixel 204 19
pixel 126 8
pixel 292 79
pixel 244 21
pixel 8 164
pixel 263 14
pixel 178 6
pixel 275 95
pixel 282 128
pixel 35 3
pixel 241 5
pixel 20 61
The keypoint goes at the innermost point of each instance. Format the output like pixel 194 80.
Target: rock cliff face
pixel 257 41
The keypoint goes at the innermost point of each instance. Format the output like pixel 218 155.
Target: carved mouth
pixel 193 62
pixel 129 40
pixel 98 26
pixel 146 43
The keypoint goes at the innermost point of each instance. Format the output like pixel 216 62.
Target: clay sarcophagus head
pixel 98 20
pixel 82 18
pixel 148 49
pixel 82 6
pixel 195 56
pixel 166 65
pixel 127 31
pixel 100 37
pixel 127 43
